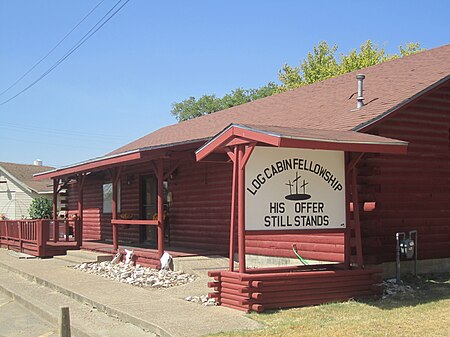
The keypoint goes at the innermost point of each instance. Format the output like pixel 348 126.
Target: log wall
pixel 411 191
pixel 273 288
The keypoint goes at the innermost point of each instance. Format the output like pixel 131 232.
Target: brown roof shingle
pixel 328 104
pixel 24 173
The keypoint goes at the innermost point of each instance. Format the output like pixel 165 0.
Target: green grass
pixel 423 312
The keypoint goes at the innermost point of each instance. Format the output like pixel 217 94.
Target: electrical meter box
pixel 407 248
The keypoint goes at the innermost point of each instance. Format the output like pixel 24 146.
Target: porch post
pixel 160 178
pixel 233 157
pixel 55 210
pixel 241 208
pixel 80 183
pixel 348 227
pixel 115 179
pixel 55 198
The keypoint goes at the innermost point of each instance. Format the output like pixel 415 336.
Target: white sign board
pixel 290 189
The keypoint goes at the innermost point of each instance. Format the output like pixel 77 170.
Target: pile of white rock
pixel 202 300
pixel 391 288
pixel 137 275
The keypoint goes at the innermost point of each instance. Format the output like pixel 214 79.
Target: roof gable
pixel 325 105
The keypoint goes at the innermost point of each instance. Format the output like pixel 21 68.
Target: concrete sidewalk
pixel 161 311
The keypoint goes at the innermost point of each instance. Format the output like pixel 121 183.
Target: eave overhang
pixel 119 159
pixel 349 141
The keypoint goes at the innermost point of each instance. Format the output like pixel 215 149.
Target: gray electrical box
pixel 406 248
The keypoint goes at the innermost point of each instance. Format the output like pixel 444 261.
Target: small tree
pixel 41 208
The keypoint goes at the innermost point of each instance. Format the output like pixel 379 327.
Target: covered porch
pixel 125 202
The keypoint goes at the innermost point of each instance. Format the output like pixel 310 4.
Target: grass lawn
pixel 425 311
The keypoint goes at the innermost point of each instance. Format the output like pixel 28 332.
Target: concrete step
pixel 73 257
pixel 200 265
pixel 87 254
pixel 86 321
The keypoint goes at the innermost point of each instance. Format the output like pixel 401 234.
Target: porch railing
pixel 39 237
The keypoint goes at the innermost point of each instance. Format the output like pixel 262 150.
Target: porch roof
pixel 114 160
pixel 86 166
pixel 278 136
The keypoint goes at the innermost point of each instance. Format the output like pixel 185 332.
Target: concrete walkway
pixel 161 311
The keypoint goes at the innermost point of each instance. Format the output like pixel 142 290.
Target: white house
pixel 18 189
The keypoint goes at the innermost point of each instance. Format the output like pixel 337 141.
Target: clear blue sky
pixel 121 83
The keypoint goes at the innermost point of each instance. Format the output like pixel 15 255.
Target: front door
pixel 149 208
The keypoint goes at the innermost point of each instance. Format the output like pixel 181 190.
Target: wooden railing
pixel 35 237
pixel 62 230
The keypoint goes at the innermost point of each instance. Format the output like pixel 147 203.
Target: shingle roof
pixel 325 105
pixel 24 173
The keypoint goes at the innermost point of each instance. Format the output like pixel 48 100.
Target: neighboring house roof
pixel 325 105
pixel 23 174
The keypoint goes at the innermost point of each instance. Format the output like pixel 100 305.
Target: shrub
pixel 41 208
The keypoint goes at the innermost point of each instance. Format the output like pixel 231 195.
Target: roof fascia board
pixel 241 131
pixel 258 135
pixel 208 148
pixel 100 163
pixel 182 144
pixel 393 148
pixel 363 127
pixel 17 181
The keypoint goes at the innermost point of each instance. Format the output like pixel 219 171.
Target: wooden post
pixel 7 234
pixel 348 228
pixel 115 180
pixel 241 209
pixel 20 235
pixel 39 228
pixel 55 198
pixel 233 209
pixel 42 235
pixel 55 216
pixel 114 213
pixel 64 323
pixel 80 183
pixel 160 178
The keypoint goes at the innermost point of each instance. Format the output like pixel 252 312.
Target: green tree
pixel 191 107
pixel 320 64
pixel 368 55
pixel 410 48
pixel 41 208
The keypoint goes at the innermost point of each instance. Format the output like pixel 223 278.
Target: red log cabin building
pixel 187 188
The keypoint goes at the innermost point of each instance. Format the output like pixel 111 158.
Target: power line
pixel 86 37
pixel 51 50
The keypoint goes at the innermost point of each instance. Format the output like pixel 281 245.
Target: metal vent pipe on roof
pixel 360 98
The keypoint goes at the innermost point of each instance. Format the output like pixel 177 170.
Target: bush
pixel 41 208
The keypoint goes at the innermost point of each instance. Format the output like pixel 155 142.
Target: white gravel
pixel 137 275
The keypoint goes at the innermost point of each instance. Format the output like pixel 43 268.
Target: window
pixel 107 197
